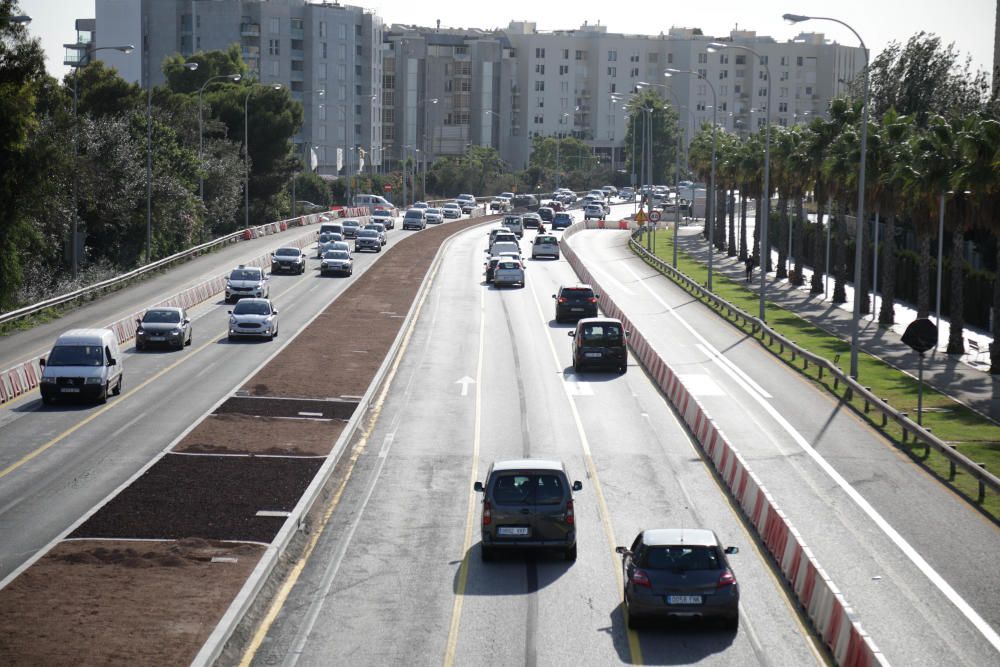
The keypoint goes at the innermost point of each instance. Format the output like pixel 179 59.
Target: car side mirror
pixel 622 550
pixel 570 333
pixel 41 362
pixel 274 312
pixel 138 321
pixel 732 550
pixel 230 312
pixel 187 321
pixel 597 296
pixel 112 361
pixel 478 486
pixel 577 485
pixel 628 333
pixel 554 296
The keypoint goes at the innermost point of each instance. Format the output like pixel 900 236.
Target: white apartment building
pixel 328 55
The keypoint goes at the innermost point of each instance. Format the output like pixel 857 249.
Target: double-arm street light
pixel 246 147
pixel 83 51
pixel 860 225
pixel 710 199
pixel 765 247
pixel 201 146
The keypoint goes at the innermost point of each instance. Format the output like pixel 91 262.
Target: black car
pixel 680 573
pixel 288 260
pixel 599 343
pixel 575 301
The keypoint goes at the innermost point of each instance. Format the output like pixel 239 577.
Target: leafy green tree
pixel 210 65
pixel 663 122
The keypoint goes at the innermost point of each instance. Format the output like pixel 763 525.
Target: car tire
pixel 190 340
pixel 118 387
pixel 570 554
pixel 486 553
pixel 576 366
pixel 103 398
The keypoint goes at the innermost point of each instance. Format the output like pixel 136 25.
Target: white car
pixel 452 210
pixel 545 245
pixel 594 211
pixel 253 318
pixel 337 262
pixel 325 243
pixel 247 281
pixel 385 218
pixel 508 272
pixel 434 216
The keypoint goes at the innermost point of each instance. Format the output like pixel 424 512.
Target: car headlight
pixel 92 381
pixel 140 331
pixel 177 332
pixel 232 321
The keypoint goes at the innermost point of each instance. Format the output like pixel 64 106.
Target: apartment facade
pixel 328 55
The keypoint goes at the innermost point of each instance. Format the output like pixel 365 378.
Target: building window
pixel 539 68
pixel 723 74
pixel 563 69
pixel 799 61
pixel 740 73
pixel 809 90
pixel 274 47
pixel 461 50
pixel 784 61
pixel 702 58
pixel 342 31
pixel 296 24
pixel 783 92
pixel 539 120
pixel 741 60
pixel 274 26
pixel 703 73
pixel 612 71
pixel 723 59
pixel 540 102
pixel 565 54
pixel 322 112
pixel 275 68
pixel 613 88
pixel 783 76
pixel 763 60
pixel 722 106
pixel 539 85
pixel 762 92
pixel 782 107
pixel 737 89
pixel 322 28
pixel 612 56
pixel 323 49
pixel 539 53
pixel 670 58
pixel 762 74
pixel 581 55
pixel 298 66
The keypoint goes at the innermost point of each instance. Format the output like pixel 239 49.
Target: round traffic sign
pixel 654 216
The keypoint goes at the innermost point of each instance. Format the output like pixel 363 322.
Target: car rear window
pixel 528 488
pixel 578 293
pixel 508 265
pixel 545 240
pixel 681 558
pixel 596 335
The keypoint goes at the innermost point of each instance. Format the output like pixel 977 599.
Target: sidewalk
pixel 966 379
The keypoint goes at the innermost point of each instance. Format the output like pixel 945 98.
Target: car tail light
pixel 592 299
pixel 562 299
pixel 487 513
pixel 640 578
pixel 727 579
pixel 569 512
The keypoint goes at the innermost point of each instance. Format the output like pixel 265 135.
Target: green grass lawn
pixel 973 435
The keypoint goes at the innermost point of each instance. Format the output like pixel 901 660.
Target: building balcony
pixel 298 54
pixel 298 76
pixel 298 33
pixel 250 29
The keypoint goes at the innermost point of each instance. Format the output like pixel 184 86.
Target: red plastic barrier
pixel 247 235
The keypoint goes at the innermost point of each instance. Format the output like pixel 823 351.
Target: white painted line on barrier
pixel 925 568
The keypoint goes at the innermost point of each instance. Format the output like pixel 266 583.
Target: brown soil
pixel 248 434
pixel 109 602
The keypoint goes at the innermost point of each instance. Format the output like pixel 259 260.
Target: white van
pixel 375 203
pixel 514 224
pixel 331 228
pixel 84 363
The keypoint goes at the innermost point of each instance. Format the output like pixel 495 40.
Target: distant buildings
pixel 424 92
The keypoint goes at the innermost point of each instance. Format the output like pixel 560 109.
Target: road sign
pixel 654 216
pixel 387 188
pixel 640 217
pixel 921 335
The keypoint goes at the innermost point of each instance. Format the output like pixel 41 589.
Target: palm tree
pixel 926 185
pixel 839 168
pixel 700 160
pixel 814 148
pixel 781 151
pixel 893 160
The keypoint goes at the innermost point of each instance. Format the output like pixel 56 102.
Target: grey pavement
pixel 965 378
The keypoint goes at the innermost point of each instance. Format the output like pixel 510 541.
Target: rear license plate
pixel 683 599
pixel 592 355
pixel 70 390
pixel 157 339
pixel 513 531
pixel 577 310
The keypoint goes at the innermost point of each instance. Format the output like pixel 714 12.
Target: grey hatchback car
pixel 528 504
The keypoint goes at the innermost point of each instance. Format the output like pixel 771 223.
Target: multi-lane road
pixel 486 375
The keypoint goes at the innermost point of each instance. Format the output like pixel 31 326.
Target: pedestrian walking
pixel 750 265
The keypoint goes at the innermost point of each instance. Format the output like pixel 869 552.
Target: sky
pixel 969 24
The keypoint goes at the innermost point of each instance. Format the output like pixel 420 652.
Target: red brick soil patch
pixel 159 601
pixel 247 434
pixel 351 338
pixel 212 497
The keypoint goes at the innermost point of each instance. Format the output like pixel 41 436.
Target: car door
pixel 551 494
pixel 513 506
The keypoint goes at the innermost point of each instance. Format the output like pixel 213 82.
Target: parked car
pixel 380 228
pixel 529 202
pixel 288 259
pixel 351 228
pixel 384 217
pixel 434 216
pixel 368 239
pixel 331 228
pixel 527 504
pixel 575 301
pixel 337 262
pixel 83 363
pixel 247 281
pixel 500 204
pixel 254 318
pixel 680 572
pixel 451 210
pixel 414 219
pixel 163 325
pixel 421 205
pixel 599 342
pixel 594 211
pixel 545 245
pixel 561 221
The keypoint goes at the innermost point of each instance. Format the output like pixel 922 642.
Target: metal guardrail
pixel 909 428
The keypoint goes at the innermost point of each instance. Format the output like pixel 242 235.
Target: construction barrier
pixel 832 618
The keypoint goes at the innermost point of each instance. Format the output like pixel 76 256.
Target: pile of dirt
pixel 249 434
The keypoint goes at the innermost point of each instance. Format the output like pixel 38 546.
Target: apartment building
pixel 328 55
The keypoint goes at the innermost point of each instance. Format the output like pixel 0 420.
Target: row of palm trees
pixel 913 171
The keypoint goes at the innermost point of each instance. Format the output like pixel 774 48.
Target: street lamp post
pixel 710 200
pixel 87 49
pixel 558 147
pixel 201 144
pixel 423 143
pixel 860 224
pixel 677 160
pixel 246 147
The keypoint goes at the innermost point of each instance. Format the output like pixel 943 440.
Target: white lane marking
pixel 700 384
pixel 465 382
pixel 925 568
pixel 731 369
pixel 387 444
pixel 127 425
pixel 576 388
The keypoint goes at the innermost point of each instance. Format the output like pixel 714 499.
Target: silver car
pixel 351 228
pixel 378 227
pixel 337 262
pixel 508 272
pixel 545 245
pixel 451 210
pixel 163 326
pixel 247 281
pixel 326 241
pixel 528 504
pixel 434 216
pixel 384 217
pixel 253 318
pixel 368 239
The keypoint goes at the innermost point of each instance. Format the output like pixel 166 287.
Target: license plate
pixel 156 339
pixel 513 531
pixel 70 390
pixel 683 599
pixel 592 355
pixel 577 310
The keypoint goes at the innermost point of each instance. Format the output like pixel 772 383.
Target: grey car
pixel 680 573
pixel 288 259
pixel 163 326
pixel 247 281
pixel 337 262
pixel 351 228
pixel 368 239
pixel 527 504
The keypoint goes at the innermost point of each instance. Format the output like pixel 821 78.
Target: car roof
pixel 599 320
pixel 175 308
pixel 577 286
pixel 528 464
pixel 289 247
pixel 677 536
pixel 82 336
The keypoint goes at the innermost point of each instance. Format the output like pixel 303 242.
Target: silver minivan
pixel 528 504
pixel 83 363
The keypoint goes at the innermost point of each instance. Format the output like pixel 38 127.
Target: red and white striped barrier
pixel 832 618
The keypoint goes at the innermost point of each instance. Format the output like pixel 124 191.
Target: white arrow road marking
pixel 465 382
pixel 576 388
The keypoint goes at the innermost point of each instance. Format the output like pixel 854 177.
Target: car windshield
pixel 414 214
pixel 76 355
pixel 161 316
pixel 544 240
pixel 600 335
pixel 681 558
pixel 367 233
pixel 351 223
pixel 245 274
pixel 252 308
pixel 287 252
pixel 528 488
pixel 377 227
pixel 336 254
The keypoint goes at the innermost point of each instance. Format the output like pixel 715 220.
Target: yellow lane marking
pixel 633 638
pixel 463 571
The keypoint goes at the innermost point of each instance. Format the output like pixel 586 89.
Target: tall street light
pixel 201 145
pixel 765 247
pixel 86 50
pixel 246 147
pixel 710 202
pixel 423 143
pixel 305 144
pixel 860 224
pixel 558 147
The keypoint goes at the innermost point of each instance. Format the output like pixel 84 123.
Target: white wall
pixel 120 22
